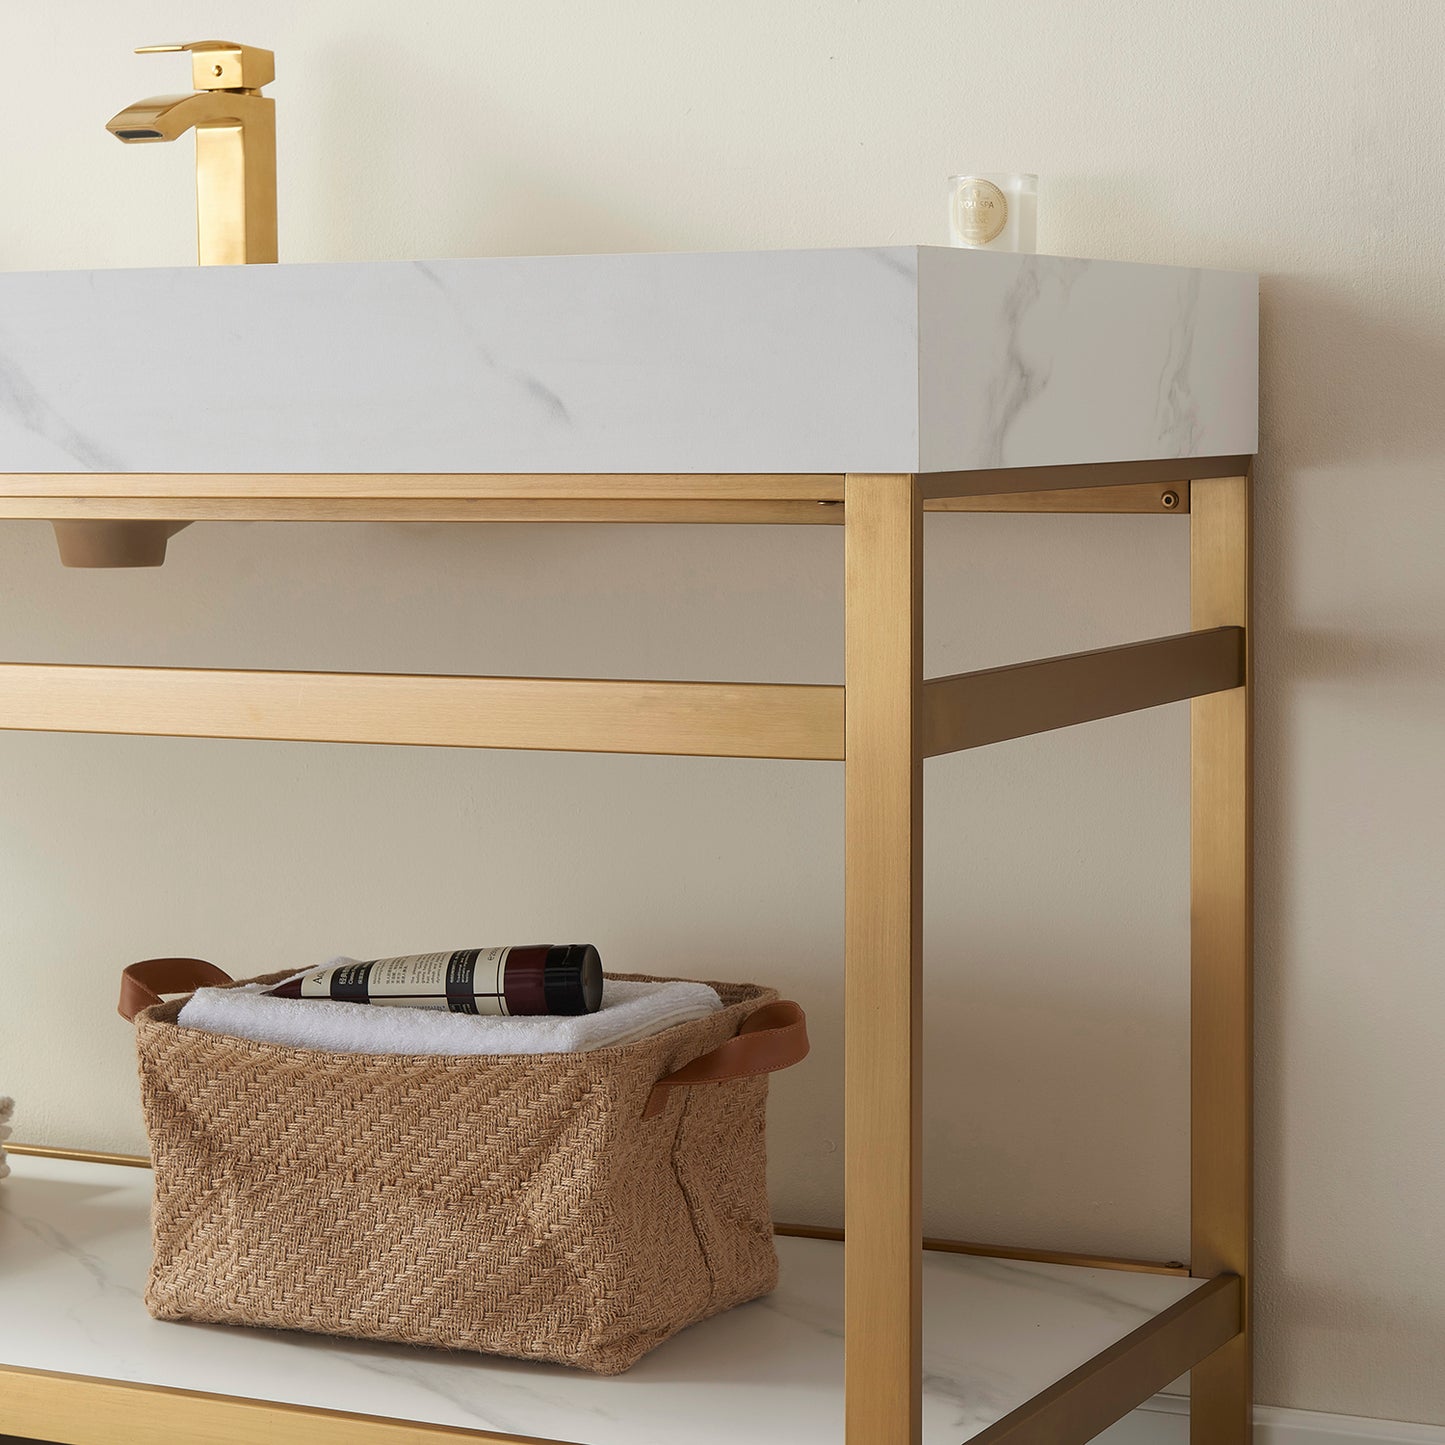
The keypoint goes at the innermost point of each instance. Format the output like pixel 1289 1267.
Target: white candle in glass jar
pixel 993 212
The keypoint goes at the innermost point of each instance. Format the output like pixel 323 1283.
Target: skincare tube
pixel 540 978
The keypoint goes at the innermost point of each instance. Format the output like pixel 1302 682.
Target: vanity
pixel 858 388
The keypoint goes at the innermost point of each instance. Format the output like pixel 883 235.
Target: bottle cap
pixel 572 979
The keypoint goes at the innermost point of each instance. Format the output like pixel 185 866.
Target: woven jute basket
pixel 578 1208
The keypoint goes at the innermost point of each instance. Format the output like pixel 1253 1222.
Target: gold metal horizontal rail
pixel 1105 1388
pixel 540 486
pixel 961 1246
pixel 975 708
pixel 1000 480
pixel 726 510
pixel 711 719
pixel 80 1156
pixel 1146 497
pixel 86 1410
pixel 701 487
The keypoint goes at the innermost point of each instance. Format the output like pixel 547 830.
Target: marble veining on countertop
pixel 899 358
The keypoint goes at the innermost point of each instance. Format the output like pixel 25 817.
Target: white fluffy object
pixel 630 1011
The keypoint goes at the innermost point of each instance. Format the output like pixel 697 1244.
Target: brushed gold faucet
pixel 235 128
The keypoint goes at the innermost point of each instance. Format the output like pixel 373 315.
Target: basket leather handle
pixel 771 1038
pixel 143 983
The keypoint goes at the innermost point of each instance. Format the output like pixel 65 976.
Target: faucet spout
pixel 168 117
pixel 235 128
pixel 235 166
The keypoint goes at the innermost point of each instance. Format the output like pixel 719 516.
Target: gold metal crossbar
pixel 1105 1388
pixel 1003 480
pixel 975 708
pixel 1147 497
pixel 708 488
pixel 706 719
pixel 698 486
pixel 718 719
pixel 84 1410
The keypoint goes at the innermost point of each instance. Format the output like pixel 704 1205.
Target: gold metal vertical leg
pixel 884 775
pixel 1221 1006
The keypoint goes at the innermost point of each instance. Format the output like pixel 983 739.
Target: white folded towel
pixel 630 1010
pixel 7 1109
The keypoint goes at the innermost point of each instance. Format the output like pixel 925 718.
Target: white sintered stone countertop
pixel 75 1247
pixel 895 358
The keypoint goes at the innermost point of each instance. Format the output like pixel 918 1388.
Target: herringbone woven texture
pixel 513 1205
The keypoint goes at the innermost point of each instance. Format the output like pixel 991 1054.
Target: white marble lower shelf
pixel 75 1245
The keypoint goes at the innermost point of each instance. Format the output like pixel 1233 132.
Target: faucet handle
pixel 222 64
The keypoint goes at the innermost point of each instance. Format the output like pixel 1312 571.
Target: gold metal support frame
pixel 883 959
pixel 1222 991
pixel 882 723
pixel 719 719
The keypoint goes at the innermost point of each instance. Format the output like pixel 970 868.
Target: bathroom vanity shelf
pixel 997 1332
pixel 861 389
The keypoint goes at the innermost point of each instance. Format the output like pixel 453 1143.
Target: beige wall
pixel 1301 139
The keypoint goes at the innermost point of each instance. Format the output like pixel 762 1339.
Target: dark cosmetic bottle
pixel 539 978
